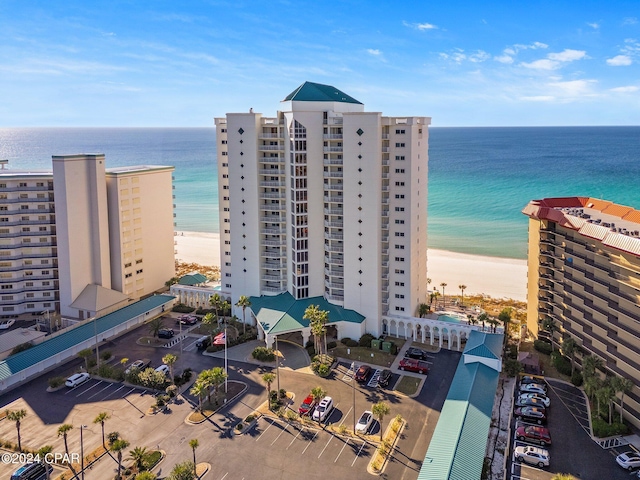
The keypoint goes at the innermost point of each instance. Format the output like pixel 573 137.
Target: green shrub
pixel 308 344
pixel 345 340
pixel 22 347
pixel 602 429
pixel 204 311
pixel 263 354
pixel 512 351
pixel 365 340
pixel 92 363
pixel 311 351
pixel 186 375
pixel 323 370
pixel 542 346
pixel 331 345
pixel 112 437
pixel 106 355
pixel 182 308
pixel 239 427
pixel 577 379
pixel 273 395
pixel 352 343
pixel 512 367
pixel 282 393
pixel 55 382
pixel 250 418
pixel 562 363
pixel 152 459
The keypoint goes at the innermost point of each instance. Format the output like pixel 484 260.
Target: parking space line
pixel 286 428
pixel 358 454
pixel 115 391
pixel 271 422
pixel 100 391
pixel 346 415
pixel 225 476
pixel 294 439
pixel 310 442
pixel 325 447
pixel 343 447
pixel 92 386
pixel 133 389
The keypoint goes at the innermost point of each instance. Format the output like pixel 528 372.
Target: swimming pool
pixel 451 318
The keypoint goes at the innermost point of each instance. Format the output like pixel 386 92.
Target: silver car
pixel 532 455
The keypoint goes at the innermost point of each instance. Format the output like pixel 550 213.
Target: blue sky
pixel 464 63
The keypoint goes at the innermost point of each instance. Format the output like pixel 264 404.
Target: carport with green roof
pixel 65 344
pixel 280 314
pixel 458 446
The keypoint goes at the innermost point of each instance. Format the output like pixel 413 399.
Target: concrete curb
pixel 370 469
pixel 229 402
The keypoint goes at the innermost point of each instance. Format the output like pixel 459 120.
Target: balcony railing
pixel 332 161
pixel 333 186
pixel 270 147
pixel 334 224
pixel 278 159
pixel 331 149
pixel 271 171
pixel 333 211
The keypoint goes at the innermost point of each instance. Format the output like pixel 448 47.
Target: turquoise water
pixel 479 178
pixel 449 319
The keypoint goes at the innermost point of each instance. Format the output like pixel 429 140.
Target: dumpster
pixel 389 347
pixel 376 344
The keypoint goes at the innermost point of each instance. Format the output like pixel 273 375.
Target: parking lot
pixel 572 451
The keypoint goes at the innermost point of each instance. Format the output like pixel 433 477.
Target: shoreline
pixel 493 276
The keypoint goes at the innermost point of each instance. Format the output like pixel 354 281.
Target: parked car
pixel 323 410
pixel 533 388
pixel 203 342
pixel 362 375
pixel 411 365
pixel 416 353
pixel 307 405
pixel 532 455
pixel 629 460
pixel 365 421
pixel 385 378
pixel 32 471
pixel 138 365
pixel 531 433
pixel 5 324
pixel 531 414
pixel 525 379
pixel 164 369
pixel 77 379
pixel 187 320
pixel 532 401
pixel 165 333
pixel 542 398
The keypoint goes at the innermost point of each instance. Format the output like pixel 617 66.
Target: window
pixel 7 297
pixel 24 207
pixel 399 234
pixel 399 196
pixel 227 253
pixel 4 208
pixel 400 247
pixel 6 287
pixel 224 142
pixel 399 157
pixel 44 262
pixel 400 309
pixel 138 272
pixel 138 261
pixel 227 285
pixel 30 295
pixel 46 294
pixel 31 305
pixel 399 170
pixel 23 184
pixel 46 304
pixel 399 284
pixel 227 274
pixel 46 284
pixel 399 184
pixel 399 259
pixel 400 132
pixel 399 145
pixel 46 272
pixel 29 284
pixel 399 222
pixel 225 165
pixel 399 272
pixel 128 275
pixel 127 265
pixel 224 154
pixel 399 295
pixel 7 309
pixel 223 130
pixel 26 229
pixel 399 209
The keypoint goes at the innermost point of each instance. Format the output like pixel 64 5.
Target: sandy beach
pixel 496 277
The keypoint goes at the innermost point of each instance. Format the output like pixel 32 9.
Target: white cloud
pixel 574 88
pixel 619 61
pixel 532 46
pixel 630 21
pixel 459 56
pixel 627 89
pixel 504 59
pixel 542 64
pixel 595 26
pixel 539 98
pixel 421 26
pixel 479 56
pixel 509 51
pixel 567 55
pixel 374 52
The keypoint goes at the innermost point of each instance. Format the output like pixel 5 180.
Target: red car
pixel 307 405
pixel 411 365
pixel 187 320
pixel 530 433
pixel 362 375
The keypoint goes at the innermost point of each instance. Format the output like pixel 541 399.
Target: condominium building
pixel 584 273
pixel 326 201
pixel 81 239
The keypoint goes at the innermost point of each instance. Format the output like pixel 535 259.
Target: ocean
pixel 479 178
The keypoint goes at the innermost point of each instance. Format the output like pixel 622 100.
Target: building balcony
pixel 339 285
pixel 271 265
pixel 332 149
pixel 273 243
pixel 270 148
pixel 332 174
pixel 334 224
pixel 333 236
pixel 27 200
pixel 271 135
pixel 335 298
pixel 384 175
pixel 385 201
pixel 385 251
pixel 332 136
pixel 272 254
pixel 384 188
pixel 332 161
pixel 271 171
pixel 272 219
pixel 334 248
pixel 273 183
pixel 385 239
pixel 272 278
pixel 273 195
pixel 334 198
pixel 334 259
pixel 273 231
pixel 272 290
pixel 334 272
pixel 385 149
pixel 332 121
pixel 278 159
pixel 333 211
pixel 384 212
pixel 333 186
pixel 28 189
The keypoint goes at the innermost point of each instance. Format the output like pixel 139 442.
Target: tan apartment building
pixel 584 273
pixel 81 239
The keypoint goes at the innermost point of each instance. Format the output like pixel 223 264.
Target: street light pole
pixel 277 365
pixel 82 427
pixel 353 386
pixel 95 332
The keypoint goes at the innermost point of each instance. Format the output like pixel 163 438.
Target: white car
pixel 323 410
pixel 533 388
pixel 365 421
pixel 543 399
pixel 629 460
pixel 532 455
pixel 77 379
pixel 4 324
pixel 138 365
pixel 164 369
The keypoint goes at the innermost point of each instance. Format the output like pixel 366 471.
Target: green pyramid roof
pixel 317 92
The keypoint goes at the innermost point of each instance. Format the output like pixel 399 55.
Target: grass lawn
pixel 408 385
pixel 363 354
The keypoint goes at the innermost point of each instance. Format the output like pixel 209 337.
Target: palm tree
pixel 146 476
pixel 423 309
pixel 505 317
pixel 472 320
pixel 64 431
pixel 216 302
pixel 444 299
pixel 563 476
pixel 317 319
pixel 493 322
pixel 433 296
pixel 243 302
pixel 216 377
pixel 211 321
pixel 193 443
pixel 318 394
pixel 590 364
pixel 182 471
pixel 170 359
pixel 199 390
pixel 380 410
pixel 462 289
pixel 118 446
pixel 17 416
pixel 226 306
pixel 550 325
pixel 569 347
pixel 101 419
pixel 591 386
pixel 268 378
pixel 622 385
pixel 606 396
pixel 155 326
pixel 138 455
pixel 85 354
pixel 206 379
pixel 483 317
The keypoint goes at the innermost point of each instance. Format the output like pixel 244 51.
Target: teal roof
pixel 487 345
pixel 459 441
pixel 283 313
pixel 73 336
pixel 192 279
pixel 317 92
